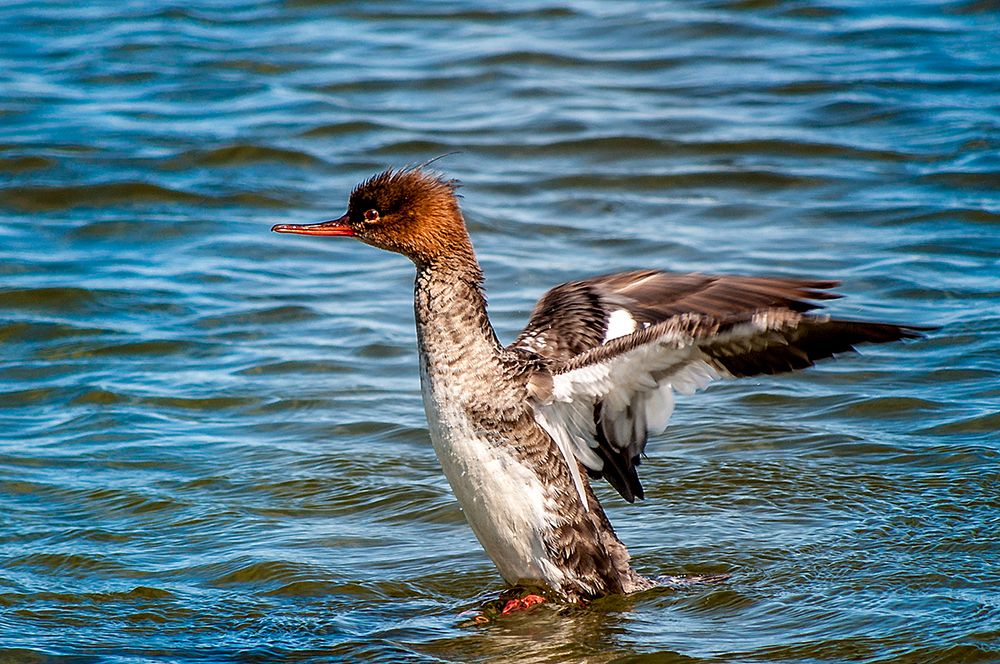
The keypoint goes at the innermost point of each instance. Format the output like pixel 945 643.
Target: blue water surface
pixel 212 445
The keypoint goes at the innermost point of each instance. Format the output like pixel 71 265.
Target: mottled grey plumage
pixel 515 427
pixel 463 363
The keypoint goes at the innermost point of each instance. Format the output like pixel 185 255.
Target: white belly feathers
pixel 504 501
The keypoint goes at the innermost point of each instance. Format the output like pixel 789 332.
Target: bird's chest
pixel 505 502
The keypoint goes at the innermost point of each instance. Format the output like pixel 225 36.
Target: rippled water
pixel 212 445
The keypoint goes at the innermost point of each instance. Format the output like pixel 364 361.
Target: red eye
pixel 371 215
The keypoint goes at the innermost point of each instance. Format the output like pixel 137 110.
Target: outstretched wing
pixel 579 315
pixel 619 346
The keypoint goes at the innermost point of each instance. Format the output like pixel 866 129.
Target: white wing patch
pixel 636 389
pixel 620 323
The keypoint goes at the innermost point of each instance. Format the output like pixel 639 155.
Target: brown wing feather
pixel 810 339
pixel 569 324
pixel 568 320
pixel 660 295
pixel 573 317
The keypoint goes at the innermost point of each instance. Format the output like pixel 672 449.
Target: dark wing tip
pixel 806 294
pixel 917 331
pixel 619 467
pixel 877 333
pixel 807 342
pixel 627 484
pixel 820 285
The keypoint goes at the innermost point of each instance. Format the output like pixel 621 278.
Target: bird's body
pixel 513 484
pixel 519 429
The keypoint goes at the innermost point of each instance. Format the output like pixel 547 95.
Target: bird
pixel 522 430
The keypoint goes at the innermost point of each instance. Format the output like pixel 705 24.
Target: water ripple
pixel 212 445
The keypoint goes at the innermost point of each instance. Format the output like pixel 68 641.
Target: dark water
pixel 212 445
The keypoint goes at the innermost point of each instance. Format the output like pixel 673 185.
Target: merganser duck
pixel 520 430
